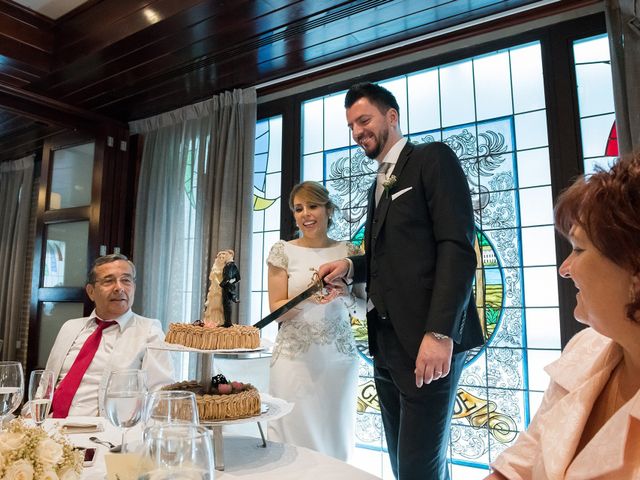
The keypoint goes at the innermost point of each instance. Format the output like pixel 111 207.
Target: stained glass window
pixel 266 212
pixel 490 110
pixel 595 101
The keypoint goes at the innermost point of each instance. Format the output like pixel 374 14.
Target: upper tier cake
pixel 214 338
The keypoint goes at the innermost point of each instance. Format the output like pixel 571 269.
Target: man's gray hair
pixel 114 257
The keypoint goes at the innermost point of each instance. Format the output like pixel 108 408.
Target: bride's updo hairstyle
pixel 606 205
pixel 313 192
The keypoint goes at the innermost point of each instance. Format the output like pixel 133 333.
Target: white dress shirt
pixel 393 155
pixel 123 346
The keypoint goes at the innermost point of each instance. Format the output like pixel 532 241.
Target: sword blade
pixel 278 312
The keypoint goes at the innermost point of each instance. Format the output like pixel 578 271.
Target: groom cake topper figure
pixel 223 290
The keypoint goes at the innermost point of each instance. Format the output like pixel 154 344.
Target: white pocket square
pixel 401 192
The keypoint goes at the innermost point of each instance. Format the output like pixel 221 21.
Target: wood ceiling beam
pixel 23 57
pixel 51 112
pixel 27 140
pixel 25 15
pixel 201 34
pixel 107 23
pixel 26 40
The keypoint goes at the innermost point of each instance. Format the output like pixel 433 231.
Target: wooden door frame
pixel 110 219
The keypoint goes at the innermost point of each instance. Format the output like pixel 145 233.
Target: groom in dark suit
pixel 419 267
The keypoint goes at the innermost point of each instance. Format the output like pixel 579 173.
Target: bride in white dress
pixel 314 362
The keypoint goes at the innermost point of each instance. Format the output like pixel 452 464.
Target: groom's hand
pixel 332 271
pixel 434 359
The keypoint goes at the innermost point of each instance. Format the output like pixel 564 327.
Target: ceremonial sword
pixel 315 287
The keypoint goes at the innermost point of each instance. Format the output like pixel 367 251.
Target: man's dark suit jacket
pixel 420 261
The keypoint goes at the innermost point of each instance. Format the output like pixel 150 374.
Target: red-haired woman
pixel 588 425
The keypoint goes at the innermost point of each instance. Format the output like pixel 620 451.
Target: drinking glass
pixel 168 407
pixel 41 387
pixel 124 399
pixel 11 388
pixel 177 452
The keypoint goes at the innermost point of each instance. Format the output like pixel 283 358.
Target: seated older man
pixel 112 338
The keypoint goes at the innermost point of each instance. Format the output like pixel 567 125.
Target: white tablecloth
pixel 110 433
pixel 244 458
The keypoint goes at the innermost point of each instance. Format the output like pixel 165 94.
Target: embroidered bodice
pixel 321 324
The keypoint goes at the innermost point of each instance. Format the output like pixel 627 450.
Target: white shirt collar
pixel 393 154
pixel 122 320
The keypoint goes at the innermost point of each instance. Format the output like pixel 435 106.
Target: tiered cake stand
pixel 272 407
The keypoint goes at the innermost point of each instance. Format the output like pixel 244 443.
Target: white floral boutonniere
pixel 389 183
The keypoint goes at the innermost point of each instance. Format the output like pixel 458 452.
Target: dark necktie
pixel 68 387
pixel 381 177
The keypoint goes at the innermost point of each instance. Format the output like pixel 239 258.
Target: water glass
pixel 169 407
pixel 41 387
pixel 11 388
pixel 124 399
pixel 177 452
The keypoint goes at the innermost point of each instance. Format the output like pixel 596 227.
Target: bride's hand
pixel 332 291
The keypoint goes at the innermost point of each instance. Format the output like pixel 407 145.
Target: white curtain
pixel 16 180
pixel 194 199
pixel 623 25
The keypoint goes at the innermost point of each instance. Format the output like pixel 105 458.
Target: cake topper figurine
pixel 229 284
pixel 223 290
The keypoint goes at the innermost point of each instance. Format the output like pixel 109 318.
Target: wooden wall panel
pixel 26 44
pixel 241 44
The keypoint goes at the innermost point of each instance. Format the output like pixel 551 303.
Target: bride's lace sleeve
pixel 277 257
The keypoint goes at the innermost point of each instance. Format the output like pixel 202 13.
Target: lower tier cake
pixel 241 401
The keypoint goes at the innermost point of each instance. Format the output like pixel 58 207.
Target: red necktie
pixel 68 387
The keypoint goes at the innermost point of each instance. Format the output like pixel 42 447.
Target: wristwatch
pixel 439 336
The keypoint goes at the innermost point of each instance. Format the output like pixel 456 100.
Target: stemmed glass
pixel 177 452
pixel 171 406
pixel 41 387
pixel 11 388
pixel 124 399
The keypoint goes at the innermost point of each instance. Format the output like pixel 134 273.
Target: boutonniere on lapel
pixel 389 183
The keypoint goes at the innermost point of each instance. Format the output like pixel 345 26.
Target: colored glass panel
pixel 266 212
pixel 595 101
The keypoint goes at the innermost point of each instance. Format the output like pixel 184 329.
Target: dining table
pixel 245 457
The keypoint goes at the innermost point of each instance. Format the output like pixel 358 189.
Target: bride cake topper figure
pixel 223 290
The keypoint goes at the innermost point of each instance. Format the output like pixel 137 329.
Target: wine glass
pixel 11 388
pixel 177 452
pixel 41 387
pixel 124 399
pixel 171 406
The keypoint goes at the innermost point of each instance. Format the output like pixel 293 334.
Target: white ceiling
pixel 51 8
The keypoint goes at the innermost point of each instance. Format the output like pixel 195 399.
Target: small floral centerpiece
pixel 389 183
pixel 29 453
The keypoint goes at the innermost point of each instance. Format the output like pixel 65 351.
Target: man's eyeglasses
pixel 125 281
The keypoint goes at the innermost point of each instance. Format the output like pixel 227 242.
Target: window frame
pixel 562 121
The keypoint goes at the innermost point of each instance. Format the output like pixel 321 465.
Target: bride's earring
pixel 633 288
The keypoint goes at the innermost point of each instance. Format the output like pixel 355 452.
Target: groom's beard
pixel 381 140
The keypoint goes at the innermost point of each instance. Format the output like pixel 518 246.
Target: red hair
pixel 606 205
